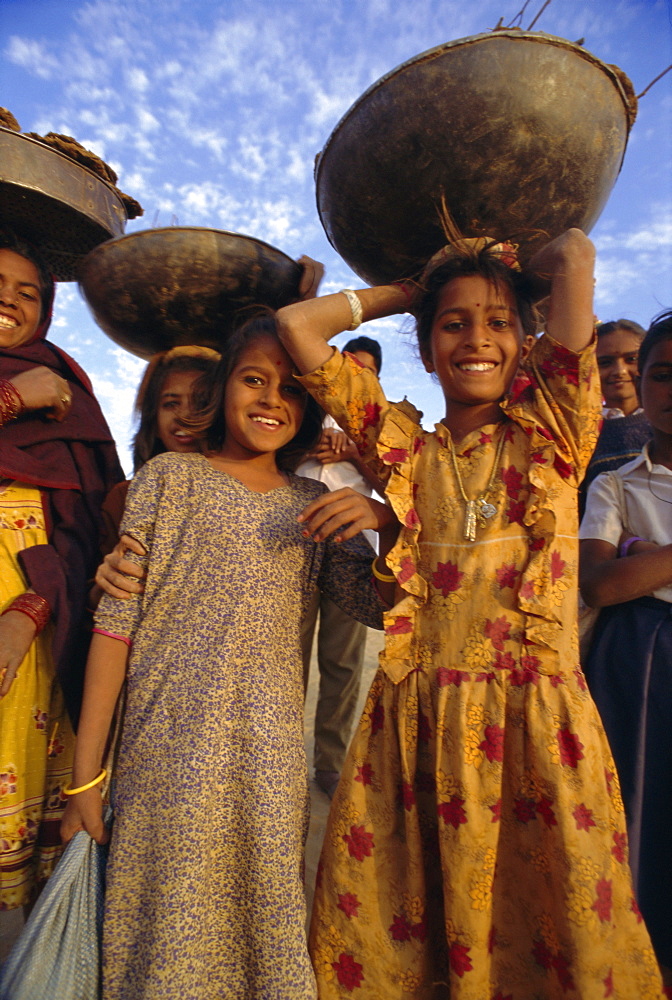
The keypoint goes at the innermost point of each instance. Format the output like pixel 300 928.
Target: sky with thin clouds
pixel 212 114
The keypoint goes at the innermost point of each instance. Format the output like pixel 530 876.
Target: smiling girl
pixel 162 403
pixel 205 889
pixel 625 430
pixel 476 843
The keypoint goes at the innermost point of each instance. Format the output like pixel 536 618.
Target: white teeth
pixel 482 366
pixel 8 322
pixel 266 420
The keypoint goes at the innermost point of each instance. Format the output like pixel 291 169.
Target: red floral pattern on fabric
pixel 460 961
pixel 619 848
pixel 561 364
pixel 507 575
pixel 444 676
pixel 349 904
pixel 583 817
pixel 504 661
pixel 406 571
pixel 571 747
pixel 447 578
pixel 348 972
pixel 497 631
pixel 395 455
pixel 412 520
pixel 400 625
pixel 407 795
pixel 515 512
pixel 558 566
pixel 562 467
pixel 371 415
pixel 513 480
pixel 360 842
pixel 493 744
pixel 452 812
pixel 364 774
pixel 602 904
pixel 377 718
pixel 553 960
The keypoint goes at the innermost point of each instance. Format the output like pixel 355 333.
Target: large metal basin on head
pixel 518 132
pixel 161 288
pixel 58 205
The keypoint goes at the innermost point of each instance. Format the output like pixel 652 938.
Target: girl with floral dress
pixel 204 890
pixel 476 846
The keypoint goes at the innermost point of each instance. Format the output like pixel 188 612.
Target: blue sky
pixel 212 113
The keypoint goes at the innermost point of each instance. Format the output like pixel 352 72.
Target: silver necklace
pixel 479 510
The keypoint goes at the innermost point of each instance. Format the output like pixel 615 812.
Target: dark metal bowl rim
pixel 429 54
pixel 189 229
pixel 58 152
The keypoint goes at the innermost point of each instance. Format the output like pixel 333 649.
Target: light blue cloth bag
pixel 57 956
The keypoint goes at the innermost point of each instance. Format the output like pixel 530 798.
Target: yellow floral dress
pixel 476 846
pixel 36 738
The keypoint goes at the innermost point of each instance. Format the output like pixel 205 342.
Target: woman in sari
pixel 57 463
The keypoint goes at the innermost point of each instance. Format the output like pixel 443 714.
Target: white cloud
pixel 32 56
pixel 137 80
pixel 147 122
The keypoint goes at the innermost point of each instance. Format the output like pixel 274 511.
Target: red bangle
pixel 11 403
pixel 34 606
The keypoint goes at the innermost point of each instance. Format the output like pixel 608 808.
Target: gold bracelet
pixel 384 578
pixel 82 788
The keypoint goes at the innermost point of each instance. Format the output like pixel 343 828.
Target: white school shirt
pixel 336 475
pixel 647 488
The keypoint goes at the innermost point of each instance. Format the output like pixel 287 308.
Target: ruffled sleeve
pixel 559 404
pixel 558 407
pixel 353 396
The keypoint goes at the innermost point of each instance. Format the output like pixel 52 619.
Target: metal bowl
pixel 518 131
pixel 58 205
pixel 160 288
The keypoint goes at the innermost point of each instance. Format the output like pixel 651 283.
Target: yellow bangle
pixel 82 788
pixel 383 577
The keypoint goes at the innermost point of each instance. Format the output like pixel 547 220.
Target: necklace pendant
pixel 486 510
pixel 470 521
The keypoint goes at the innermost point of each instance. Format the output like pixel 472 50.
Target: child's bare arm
pixel 569 262
pixel 105 673
pixel 605 579
pixel 305 327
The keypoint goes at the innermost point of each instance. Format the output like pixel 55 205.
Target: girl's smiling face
pixel 475 342
pixel 617 361
pixel 656 388
pixel 263 403
pixel 20 299
pixel 174 404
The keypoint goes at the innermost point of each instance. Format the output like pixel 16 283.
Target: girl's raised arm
pixel 569 262
pixel 305 327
